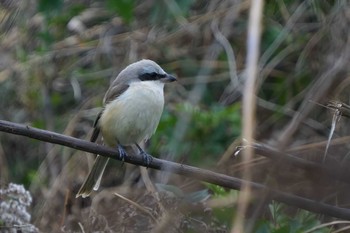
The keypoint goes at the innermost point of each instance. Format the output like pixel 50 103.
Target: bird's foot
pixel 147 159
pixel 122 152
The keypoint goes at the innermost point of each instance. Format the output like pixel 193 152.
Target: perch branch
pixel 181 169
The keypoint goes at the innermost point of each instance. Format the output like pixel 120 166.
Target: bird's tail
pixel 93 180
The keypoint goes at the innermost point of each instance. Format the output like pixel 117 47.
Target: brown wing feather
pixel 114 91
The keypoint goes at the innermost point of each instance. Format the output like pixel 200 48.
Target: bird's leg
pixel 146 157
pixel 122 152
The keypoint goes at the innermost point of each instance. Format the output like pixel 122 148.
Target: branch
pixel 338 173
pixel 181 169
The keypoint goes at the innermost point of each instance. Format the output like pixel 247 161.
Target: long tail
pixel 93 180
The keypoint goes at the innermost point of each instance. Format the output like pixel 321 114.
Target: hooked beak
pixel 168 78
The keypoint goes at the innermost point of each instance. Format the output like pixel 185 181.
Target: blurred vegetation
pixel 58 58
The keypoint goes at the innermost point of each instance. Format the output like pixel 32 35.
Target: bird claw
pixel 122 153
pixel 147 159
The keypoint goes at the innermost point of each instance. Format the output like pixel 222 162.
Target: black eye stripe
pixel 151 76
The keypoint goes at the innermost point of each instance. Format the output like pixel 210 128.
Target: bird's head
pixel 145 70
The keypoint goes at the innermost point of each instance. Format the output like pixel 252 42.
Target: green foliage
pixel 124 8
pixel 56 19
pixel 271 32
pixel 281 222
pixel 209 132
pixel 48 6
pixel 226 214
pixel 218 191
pixel 165 13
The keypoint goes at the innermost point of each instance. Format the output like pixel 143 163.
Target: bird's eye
pixel 153 74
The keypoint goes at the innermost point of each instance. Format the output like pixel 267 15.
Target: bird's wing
pixel 96 131
pixel 114 91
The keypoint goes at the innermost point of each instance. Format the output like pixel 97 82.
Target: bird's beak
pixel 168 78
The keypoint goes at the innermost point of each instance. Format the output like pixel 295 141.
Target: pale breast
pixel 134 115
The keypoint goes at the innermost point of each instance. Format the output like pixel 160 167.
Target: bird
pixel 132 108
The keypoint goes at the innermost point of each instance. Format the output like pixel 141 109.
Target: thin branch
pixel 339 173
pixel 181 169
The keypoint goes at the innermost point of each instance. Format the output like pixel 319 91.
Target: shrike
pixel 132 109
